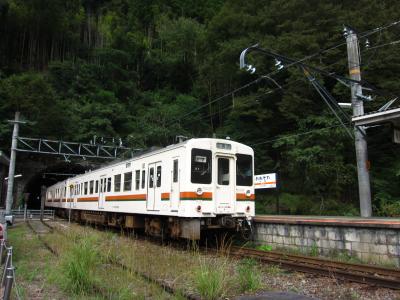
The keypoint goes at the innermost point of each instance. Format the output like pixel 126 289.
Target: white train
pixel 178 191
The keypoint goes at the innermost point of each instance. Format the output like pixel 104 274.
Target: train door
pixel 154 186
pixel 102 191
pixel 175 188
pixel 225 186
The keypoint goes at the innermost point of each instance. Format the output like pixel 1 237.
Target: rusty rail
pixel 372 275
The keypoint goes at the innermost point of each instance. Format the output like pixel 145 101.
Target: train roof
pixel 152 151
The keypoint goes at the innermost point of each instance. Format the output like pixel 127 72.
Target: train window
pixel 175 171
pixel 137 179
pixel 109 184
pixel 97 187
pixel 128 181
pixel 143 178
pixel 201 166
pixel 91 187
pixel 117 183
pixel 151 178
pixel 82 188
pixel 158 176
pixel 244 170
pixel 86 188
pixel 223 171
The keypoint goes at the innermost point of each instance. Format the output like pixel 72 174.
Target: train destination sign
pixel 265 181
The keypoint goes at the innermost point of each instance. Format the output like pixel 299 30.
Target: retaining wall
pixel 369 244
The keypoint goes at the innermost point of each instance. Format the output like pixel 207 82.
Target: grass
pixel 78 265
pixel 211 281
pixel 249 275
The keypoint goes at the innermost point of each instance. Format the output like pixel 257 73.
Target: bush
pixel 210 280
pixel 78 266
pixel 249 276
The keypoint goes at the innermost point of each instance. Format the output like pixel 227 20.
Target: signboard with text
pixel 265 181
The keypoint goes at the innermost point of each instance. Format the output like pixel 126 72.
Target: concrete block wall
pixel 369 244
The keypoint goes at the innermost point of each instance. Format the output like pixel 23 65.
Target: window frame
pixel 151 177
pixel 137 180
pixel 175 170
pixel 196 152
pixel 246 156
pixel 117 183
pixel 129 182
pixel 158 176
pixel 143 179
pixel 220 167
pixel 91 187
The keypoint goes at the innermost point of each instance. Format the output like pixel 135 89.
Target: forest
pixel 146 71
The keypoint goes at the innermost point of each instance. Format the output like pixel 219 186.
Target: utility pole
pixel 364 187
pixel 11 169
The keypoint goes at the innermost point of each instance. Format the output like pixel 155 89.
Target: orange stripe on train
pixel 88 199
pixel 195 196
pixel 164 196
pixel 244 197
pixel 127 197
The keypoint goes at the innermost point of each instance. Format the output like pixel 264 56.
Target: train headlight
pixel 199 208
pixel 248 193
pixel 248 209
pixel 199 191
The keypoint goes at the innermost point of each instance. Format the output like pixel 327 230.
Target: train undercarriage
pixel 160 226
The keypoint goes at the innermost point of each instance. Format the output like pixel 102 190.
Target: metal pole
pixel 9 282
pixel 42 199
pixel 1 251
pixel 11 169
pixel 364 188
pixel 6 265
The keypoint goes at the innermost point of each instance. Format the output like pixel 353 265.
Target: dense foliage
pixel 147 71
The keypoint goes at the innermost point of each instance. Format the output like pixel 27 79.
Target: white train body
pixel 183 188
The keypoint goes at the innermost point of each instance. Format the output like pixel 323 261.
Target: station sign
pixel 265 181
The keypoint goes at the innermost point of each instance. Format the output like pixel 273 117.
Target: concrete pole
pixel 11 169
pixel 364 187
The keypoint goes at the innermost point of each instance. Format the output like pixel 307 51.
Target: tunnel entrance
pixel 50 176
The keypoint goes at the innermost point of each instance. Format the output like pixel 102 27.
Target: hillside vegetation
pixel 146 71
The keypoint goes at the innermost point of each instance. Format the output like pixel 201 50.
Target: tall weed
pixel 249 276
pixel 211 280
pixel 78 265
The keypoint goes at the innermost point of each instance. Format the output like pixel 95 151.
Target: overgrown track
pixel 95 288
pixel 166 286
pixel 372 275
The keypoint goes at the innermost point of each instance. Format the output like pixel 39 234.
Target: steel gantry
pixel 57 147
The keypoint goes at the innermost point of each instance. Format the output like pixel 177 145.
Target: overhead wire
pixel 268 76
pixel 259 79
pixel 295 135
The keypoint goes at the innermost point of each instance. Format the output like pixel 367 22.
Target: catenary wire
pixel 365 34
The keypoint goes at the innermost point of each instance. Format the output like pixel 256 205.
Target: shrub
pixel 249 276
pixel 78 266
pixel 210 280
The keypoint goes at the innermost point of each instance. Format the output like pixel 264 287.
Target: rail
pixel 372 275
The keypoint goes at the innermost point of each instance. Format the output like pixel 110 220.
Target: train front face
pixel 221 180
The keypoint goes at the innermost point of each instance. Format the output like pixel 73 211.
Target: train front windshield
pixel 201 168
pixel 244 170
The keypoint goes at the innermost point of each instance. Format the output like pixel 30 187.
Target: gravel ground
pixel 326 288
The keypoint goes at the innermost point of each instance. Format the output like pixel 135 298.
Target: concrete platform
pixel 393 223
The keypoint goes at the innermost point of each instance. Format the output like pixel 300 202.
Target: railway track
pixel 166 286
pixel 367 274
